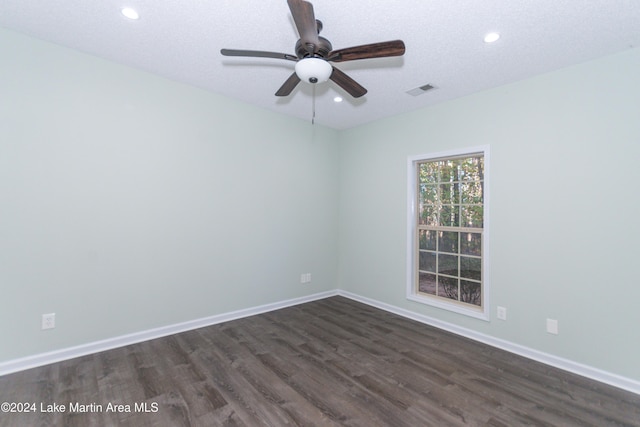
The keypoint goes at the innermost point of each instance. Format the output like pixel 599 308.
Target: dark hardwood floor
pixel 325 363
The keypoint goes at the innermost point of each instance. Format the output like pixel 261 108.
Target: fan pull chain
pixel 313 104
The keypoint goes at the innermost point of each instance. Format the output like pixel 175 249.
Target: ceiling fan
pixel 313 54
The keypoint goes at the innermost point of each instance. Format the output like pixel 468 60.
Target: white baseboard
pixel 548 359
pixel 136 337
pixel 121 341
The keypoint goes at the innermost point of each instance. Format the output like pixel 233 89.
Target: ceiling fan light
pixel 313 70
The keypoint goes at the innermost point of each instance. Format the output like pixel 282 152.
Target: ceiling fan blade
pixel 373 50
pixel 347 83
pixel 258 54
pixel 305 20
pixel 288 85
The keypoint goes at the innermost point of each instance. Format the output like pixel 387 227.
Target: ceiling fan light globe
pixel 313 70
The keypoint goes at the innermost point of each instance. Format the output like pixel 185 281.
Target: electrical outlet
pixel 305 278
pixel 502 313
pixel 49 321
pixel 308 277
pixel 552 326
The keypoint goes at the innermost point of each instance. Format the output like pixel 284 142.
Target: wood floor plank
pixel 325 363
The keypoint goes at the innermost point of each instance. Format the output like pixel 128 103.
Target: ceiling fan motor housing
pixel 322 49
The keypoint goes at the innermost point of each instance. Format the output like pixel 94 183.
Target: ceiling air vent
pixel 420 90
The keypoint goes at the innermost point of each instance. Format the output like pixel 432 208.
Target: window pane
pixel 472 168
pixel 470 292
pixel 450 216
pixel 448 242
pixel 427 283
pixel 449 170
pixel 471 244
pixel 448 264
pixel 428 239
pixel 427 261
pixel 450 193
pixel 472 216
pixel 471 192
pixel 471 268
pixel 428 172
pixel 428 194
pixel 428 215
pixel 448 287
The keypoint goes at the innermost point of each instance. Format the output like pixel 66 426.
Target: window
pixel 447 231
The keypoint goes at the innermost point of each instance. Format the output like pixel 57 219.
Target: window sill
pixel 478 313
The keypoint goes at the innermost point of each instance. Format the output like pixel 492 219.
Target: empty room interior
pixel 179 246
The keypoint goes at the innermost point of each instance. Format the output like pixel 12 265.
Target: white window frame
pixel 482 312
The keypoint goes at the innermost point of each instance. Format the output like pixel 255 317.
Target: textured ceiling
pixel 181 40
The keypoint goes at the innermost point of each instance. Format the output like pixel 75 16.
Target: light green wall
pixel 129 202
pixel 564 207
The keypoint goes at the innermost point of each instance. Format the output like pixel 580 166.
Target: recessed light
pixel 491 37
pixel 337 99
pixel 130 13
